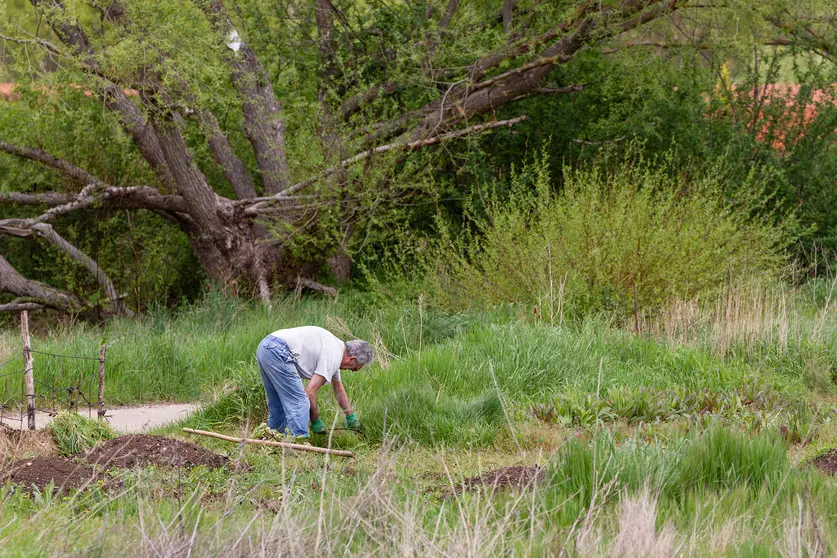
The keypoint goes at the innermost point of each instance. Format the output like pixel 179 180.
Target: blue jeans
pixel 287 403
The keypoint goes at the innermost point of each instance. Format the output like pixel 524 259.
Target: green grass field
pixel 687 440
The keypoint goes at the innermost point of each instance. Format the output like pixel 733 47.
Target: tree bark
pixel 508 14
pixel 13 282
pixel 234 170
pixel 263 123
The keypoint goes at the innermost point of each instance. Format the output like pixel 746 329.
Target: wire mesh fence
pixel 59 382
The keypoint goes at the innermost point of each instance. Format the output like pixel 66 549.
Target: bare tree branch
pixel 234 169
pixel 316 287
pixel 74 172
pixel 72 35
pixel 110 197
pixel 19 306
pixel 34 41
pixel 256 205
pixel 353 104
pixel 13 282
pixel 49 199
pixel 508 15
pixel 23 228
pixel 468 99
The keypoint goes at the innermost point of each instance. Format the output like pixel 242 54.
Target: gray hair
pixel 361 350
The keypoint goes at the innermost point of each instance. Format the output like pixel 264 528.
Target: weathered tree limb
pixel 49 199
pixel 13 282
pixel 263 123
pixel 71 34
pixel 234 169
pixel 77 174
pixel 508 15
pixel 469 99
pixel 142 131
pixel 354 103
pixel 22 228
pixel 111 197
pixel 316 287
pixel 19 306
pixel 257 205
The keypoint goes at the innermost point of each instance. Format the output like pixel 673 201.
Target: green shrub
pixel 606 232
pixel 75 434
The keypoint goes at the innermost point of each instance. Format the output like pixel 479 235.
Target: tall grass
pixel 181 356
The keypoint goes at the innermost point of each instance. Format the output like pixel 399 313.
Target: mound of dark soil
pixel 827 463
pixel 502 479
pixel 143 449
pixel 65 473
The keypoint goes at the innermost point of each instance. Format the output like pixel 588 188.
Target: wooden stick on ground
pixel 300 447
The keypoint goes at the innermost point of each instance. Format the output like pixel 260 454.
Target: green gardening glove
pixel 318 427
pixel 352 422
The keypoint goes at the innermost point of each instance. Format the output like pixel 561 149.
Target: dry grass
pixel 743 316
pixel 638 536
pixel 21 444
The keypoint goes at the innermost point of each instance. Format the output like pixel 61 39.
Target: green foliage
pixel 585 249
pixel 635 405
pixel 75 434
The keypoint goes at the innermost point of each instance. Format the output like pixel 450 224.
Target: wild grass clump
pixel 716 462
pixel 415 414
pixel 607 232
pixel 75 434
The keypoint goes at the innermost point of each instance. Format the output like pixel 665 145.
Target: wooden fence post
pixel 27 369
pixel 103 352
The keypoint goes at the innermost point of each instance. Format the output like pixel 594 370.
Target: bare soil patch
pixel 506 478
pixel 65 473
pixel 144 449
pixel 827 463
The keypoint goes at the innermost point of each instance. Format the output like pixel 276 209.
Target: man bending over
pixel 288 356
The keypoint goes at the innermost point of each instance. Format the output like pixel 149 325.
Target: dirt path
pixel 121 419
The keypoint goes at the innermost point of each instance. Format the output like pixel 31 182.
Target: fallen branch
pixel 316 287
pixel 288 445
pixel 259 203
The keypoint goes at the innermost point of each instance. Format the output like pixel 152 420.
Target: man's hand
pixel 318 427
pixel 352 422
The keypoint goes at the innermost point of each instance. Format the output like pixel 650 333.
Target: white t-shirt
pixel 317 351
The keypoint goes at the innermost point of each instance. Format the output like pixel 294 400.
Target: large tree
pixel 439 70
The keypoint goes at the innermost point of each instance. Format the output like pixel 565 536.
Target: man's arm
pixel 341 397
pixel 314 384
